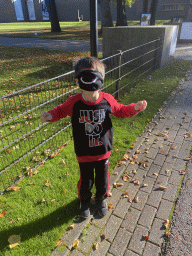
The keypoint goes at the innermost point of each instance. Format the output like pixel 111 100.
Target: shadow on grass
pixel 55 219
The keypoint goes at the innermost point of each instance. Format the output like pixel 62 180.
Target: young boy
pixel 92 130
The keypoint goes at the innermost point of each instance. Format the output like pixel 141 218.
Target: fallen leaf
pixel 11 222
pixel 95 246
pixel 67 174
pixel 126 194
pixel 166 223
pixel 162 187
pixel 145 185
pixel 64 191
pixel 19 218
pixel 118 184
pixel 174 147
pixel 13 245
pixel 182 172
pixel 54 154
pixel 53 200
pixel 130 200
pixel 75 244
pixel 167 233
pixel 64 164
pixel 126 178
pixel 8 150
pixel 110 206
pixel 156 174
pixel 2 214
pixel 13 188
pixel 72 226
pixel 103 236
pixel 136 199
pixel 146 237
pixel 125 157
pixel 47 184
pixel 167 171
pixel 59 243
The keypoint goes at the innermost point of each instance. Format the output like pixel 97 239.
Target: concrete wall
pixel 124 38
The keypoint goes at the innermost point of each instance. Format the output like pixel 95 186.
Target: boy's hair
pixel 89 63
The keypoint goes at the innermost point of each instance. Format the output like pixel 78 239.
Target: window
pixel 173 7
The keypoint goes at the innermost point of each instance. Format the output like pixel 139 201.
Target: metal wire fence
pixel 26 143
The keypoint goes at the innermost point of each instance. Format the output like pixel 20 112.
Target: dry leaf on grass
pixel 59 243
pixel 47 184
pixel 11 222
pixel 2 214
pixel 63 161
pixel 13 188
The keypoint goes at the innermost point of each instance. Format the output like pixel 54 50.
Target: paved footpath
pixel 154 166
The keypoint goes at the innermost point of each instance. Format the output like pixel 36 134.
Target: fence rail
pixel 26 142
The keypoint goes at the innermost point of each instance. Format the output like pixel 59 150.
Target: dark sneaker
pixel 85 210
pixel 102 207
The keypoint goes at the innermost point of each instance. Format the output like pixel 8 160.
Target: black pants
pixel 86 181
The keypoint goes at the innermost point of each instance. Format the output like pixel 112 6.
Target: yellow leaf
pixel 11 222
pixel 3 213
pixel 75 244
pixel 53 200
pixel 110 206
pixel 167 232
pixel 19 218
pixel 95 246
pixel 72 226
pixel 13 245
pixel 64 191
pixel 59 243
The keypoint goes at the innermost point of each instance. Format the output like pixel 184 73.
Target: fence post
pixel 118 76
pixel 157 61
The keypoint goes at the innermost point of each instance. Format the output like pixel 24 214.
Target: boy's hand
pixel 45 116
pixel 141 105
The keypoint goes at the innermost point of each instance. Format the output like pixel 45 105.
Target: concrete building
pixel 36 10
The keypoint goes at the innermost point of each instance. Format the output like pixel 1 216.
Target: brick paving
pixel 168 141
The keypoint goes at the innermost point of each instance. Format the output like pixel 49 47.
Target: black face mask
pixel 90 80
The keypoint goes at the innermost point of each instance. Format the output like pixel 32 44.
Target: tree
pixel 145 6
pixel 106 19
pixel 153 10
pixel 121 13
pixel 55 27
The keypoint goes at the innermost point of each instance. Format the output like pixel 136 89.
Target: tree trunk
pixel 145 6
pixel 189 13
pixel 106 19
pixel 55 27
pixel 153 10
pixel 121 15
pixel 25 10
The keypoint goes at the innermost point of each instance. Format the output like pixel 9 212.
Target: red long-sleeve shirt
pixel 91 123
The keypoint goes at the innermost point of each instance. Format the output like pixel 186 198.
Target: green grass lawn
pixel 46 204
pixel 69 30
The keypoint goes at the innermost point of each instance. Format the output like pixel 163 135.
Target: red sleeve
pixel 120 110
pixel 65 109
